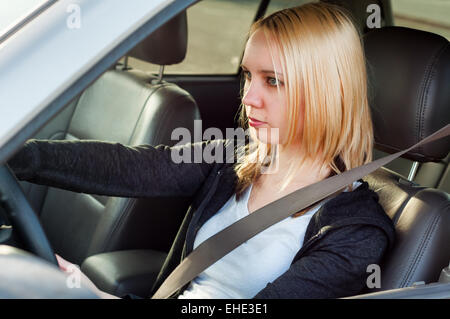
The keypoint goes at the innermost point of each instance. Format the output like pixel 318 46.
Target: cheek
pixel 282 120
pixel 246 108
pixel 279 112
pixel 245 89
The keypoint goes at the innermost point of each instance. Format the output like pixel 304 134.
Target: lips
pixel 254 122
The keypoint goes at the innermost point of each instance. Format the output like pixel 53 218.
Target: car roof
pixel 54 57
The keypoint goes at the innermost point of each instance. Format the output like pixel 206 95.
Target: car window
pixel 217 31
pixel 281 4
pixel 59 51
pixel 427 15
pixel 13 14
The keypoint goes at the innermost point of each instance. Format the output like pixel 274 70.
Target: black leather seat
pixel 409 74
pixel 130 108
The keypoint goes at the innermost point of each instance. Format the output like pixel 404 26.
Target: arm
pixel 336 267
pixel 110 169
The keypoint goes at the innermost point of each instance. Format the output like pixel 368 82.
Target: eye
pixel 272 81
pixel 247 74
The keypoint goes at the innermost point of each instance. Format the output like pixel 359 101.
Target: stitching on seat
pixel 398 149
pixel 425 239
pixel 131 202
pixel 74 108
pixel 44 188
pixel 430 72
pixel 93 197
pixel 153 91
pixel 118 224
pixel 167 114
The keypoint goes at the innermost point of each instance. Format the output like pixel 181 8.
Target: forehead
pixel 258 53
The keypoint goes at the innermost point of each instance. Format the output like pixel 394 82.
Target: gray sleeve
pixel 112 169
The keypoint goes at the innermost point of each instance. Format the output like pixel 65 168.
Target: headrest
pixel 167 45
pixel 409 81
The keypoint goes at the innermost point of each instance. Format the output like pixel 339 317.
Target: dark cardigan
pixel 348 233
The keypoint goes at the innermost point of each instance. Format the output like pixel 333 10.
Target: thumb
pixel 63 264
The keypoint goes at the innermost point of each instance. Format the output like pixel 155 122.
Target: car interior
pixel 121 243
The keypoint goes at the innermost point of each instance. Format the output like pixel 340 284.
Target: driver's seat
pixel 409 74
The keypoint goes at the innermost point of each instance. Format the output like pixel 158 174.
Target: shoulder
pixel 359 203
pixel 358 207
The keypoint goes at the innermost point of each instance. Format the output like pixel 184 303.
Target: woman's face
pixel 265 104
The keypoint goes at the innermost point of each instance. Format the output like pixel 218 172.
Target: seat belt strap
pixel 217 246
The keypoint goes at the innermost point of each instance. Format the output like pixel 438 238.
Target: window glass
pixel 276 5
pixel 12 13
pixel 217 31
pixel 427 15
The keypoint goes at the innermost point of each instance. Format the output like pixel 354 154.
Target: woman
pixel 305 101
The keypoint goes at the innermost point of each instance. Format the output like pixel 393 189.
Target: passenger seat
pixel 131 108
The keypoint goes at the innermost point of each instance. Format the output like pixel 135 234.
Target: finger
pixel 59 260
pixel 63 264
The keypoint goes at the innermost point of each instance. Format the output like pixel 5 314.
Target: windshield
pixel 15 14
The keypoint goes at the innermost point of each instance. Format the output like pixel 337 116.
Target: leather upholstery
pixel 167 45
pixel 422 221
pixel 119 107
pixel 409 70
pixel 129 108
pixel 361 12
pixel 409 73
pixel 124 272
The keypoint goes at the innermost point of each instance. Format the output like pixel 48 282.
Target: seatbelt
pixel 217 246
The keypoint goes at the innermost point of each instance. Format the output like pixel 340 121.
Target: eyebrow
pixel 264 71
pixel 270 72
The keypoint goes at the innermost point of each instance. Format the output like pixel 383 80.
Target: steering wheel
pixel 22 217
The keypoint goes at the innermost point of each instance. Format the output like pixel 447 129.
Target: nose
pixel 252 95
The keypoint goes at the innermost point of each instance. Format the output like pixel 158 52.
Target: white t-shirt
pixel 247 269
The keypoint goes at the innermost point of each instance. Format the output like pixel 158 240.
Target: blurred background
pixel 222 58
pixel 227 33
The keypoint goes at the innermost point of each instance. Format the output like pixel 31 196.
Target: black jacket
pixel 348 233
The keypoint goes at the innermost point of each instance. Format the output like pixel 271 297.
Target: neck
pixel 309 172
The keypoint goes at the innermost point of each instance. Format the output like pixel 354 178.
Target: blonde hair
pixel 323 63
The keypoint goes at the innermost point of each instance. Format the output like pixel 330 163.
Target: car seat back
pixel 130 108
pixel 409 72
